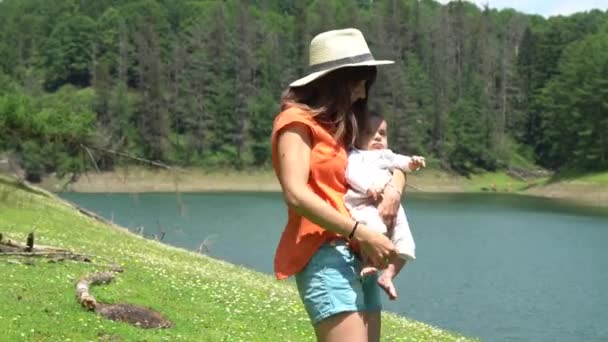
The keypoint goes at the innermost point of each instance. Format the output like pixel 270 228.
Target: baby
pixel 368 173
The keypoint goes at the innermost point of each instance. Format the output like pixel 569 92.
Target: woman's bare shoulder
pixel 293 115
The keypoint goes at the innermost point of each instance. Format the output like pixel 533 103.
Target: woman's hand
pixel 375 192
pixel 391 199
pixel 389 206
pixel 375 246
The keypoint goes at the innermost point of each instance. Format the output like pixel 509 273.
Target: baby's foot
pixel 368 271
pixel 386 283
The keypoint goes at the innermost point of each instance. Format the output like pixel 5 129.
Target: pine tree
pixel 69 52
pixel 575 103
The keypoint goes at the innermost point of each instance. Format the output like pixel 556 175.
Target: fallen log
pixel 54 254
pixel 28 247
pixel 135 315
pixel 82 288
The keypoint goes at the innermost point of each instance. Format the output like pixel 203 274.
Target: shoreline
pixel 144 180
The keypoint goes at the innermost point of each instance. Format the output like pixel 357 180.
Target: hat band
pixel 342 61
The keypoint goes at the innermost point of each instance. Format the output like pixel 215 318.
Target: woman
pixel 317 123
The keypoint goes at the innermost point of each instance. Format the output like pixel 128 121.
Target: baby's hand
pixel 416 163
pixel 375 192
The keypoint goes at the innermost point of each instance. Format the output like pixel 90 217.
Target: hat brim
pixel 313 76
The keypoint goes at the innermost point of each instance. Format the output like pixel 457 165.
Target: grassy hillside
pixel 205 298
pixel 595 178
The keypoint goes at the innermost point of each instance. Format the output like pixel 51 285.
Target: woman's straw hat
pixel 337 49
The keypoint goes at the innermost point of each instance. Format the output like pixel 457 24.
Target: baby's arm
pixel 405 163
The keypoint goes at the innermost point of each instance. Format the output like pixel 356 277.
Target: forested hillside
pixel 197 83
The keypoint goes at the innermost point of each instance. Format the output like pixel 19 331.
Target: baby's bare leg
pixel 403 240
pixel 386 278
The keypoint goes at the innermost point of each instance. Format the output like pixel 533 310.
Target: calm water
pixel 504 268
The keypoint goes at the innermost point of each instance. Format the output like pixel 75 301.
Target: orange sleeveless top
pixel 301 237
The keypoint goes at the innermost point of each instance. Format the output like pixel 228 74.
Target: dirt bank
pixel 591 194
pixel 134 180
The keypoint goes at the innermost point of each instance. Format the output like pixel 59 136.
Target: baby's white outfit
pixel 371 169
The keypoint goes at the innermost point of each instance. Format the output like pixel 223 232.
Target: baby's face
pixel 376 135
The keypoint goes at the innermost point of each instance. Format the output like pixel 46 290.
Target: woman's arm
pixel 391 198
pixel 294 148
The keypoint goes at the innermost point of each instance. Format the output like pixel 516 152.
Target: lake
pixel 499 267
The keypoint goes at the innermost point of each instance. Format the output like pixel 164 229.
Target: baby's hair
pixel 371 115
pixel 364 126
pixel 374 114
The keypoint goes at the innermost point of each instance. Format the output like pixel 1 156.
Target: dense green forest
pixel 198 83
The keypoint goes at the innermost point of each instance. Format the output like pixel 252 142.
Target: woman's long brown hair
pixel 328 100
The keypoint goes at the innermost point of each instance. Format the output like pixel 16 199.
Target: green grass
pixel 497 181
pixel 597 178
pixel 205 298
pixel 524 161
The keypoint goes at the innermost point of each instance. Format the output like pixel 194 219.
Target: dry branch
pixel 133 314
pixel 10 247
pixel 57 253
pixel 91 156
pixel 82 288
pixel 139 159
pixel 13 248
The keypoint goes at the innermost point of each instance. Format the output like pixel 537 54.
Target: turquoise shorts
pixel 331 283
